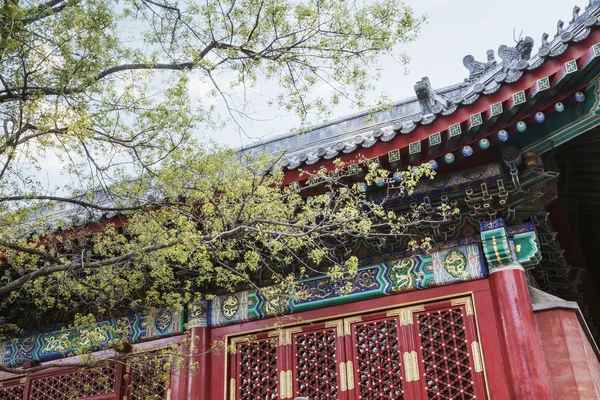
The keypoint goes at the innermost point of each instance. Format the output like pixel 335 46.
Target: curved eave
pixel 481 118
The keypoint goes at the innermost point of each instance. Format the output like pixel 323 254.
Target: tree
pixel 101 88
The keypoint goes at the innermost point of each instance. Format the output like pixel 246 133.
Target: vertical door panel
pixel 254 369
pixel 450 364
pixel 375 348
pixel 317 358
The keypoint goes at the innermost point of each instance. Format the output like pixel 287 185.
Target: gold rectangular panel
pixel 350 374
pixel 411 366
pixel 343 381
pixel 477 361
pixel 232 387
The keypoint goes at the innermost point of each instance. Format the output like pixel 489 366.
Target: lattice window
pixel 445 352
pixel 12 393
pixel 377 359
pixel 148 378
pixel 257 378
pixel 75 385
pixel 316 364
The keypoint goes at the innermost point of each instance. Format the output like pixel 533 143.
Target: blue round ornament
pixel 559 107
pixel 484 144
pixel 433 164
pixel 539 117
pixel 398 177
pixel 580 97
pixel 521 126
pixel 467 151
pixel 502 135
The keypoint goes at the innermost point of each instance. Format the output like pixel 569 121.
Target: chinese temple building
pixel 506 304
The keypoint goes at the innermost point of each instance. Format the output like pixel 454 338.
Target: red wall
pixel 572 363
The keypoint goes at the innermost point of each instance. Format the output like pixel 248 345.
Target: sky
pixel 455 28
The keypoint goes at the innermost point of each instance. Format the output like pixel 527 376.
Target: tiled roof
pixel 363 130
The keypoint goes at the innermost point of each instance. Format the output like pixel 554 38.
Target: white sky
pixel 456 28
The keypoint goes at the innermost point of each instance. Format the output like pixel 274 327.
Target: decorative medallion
pixel 196 310
pixel 163 320
pixel 230 306
pixel 455 263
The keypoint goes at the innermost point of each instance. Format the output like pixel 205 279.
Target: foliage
pixel 101 89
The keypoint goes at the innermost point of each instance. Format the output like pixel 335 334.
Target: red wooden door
pixel 428 351
pixel 375 346
pixel 255 366
pixel 316 357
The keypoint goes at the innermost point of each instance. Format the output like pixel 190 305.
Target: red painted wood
pixel 492 356
pixel 519 341
pixel 574 370
pixel 198 383
pixel 485 316
pixel 550 67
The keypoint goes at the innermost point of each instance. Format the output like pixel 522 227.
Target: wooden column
pixel 519 340
pixel 199 376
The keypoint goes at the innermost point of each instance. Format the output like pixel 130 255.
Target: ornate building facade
pixel 502 308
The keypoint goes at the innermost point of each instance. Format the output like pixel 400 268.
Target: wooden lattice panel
pixel 12 393
pixel 257 377
pixel 377 359
pixel 316 364
pixel 445 354
pixel 148 379
pixel 78 384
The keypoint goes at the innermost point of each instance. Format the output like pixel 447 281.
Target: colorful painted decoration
pixel 559 107
pixel 580 97
pixel 539 117
pixel 449 158
pixel 446 266
pixel 380 182
pixel 433 164
pixel 521 126
pixel 502 135
pixel 362 186
pixel 467 151
pixel 484 144
pixel 398 177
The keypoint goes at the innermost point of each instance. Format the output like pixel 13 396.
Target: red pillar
pixel 199 364
pixel 519 340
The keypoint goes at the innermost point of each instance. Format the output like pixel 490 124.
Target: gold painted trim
pixel 232 387
pixel 411 366
pixel 282 385
pixel 405 314
pixel 476 351
pixel 289 383
pixel 348 324
pixel 286 337
pixel 343 379
pixel 466 301
pixel 495 247
pixel 338 325
pixel 350 374
pixel 23 380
